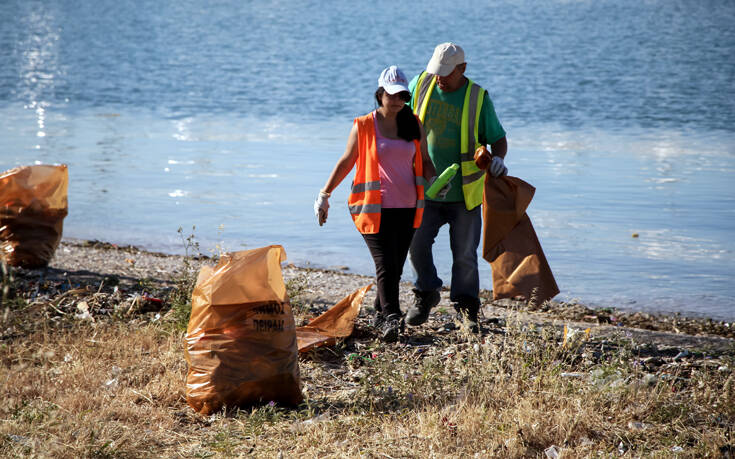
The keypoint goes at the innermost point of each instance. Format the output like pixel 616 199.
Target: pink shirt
pixel 395 165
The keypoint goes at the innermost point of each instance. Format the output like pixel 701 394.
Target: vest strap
pixel 367 186
pixel 365 209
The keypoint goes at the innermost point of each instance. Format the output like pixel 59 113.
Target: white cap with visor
pixel 445 58
pixel 393 80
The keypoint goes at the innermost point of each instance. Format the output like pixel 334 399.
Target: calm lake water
pixel 229 115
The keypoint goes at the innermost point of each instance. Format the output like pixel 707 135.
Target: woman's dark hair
pixel 408 126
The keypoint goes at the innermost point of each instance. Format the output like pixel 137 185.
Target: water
pixel 229 117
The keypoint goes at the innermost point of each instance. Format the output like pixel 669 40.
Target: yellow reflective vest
pixel 472 176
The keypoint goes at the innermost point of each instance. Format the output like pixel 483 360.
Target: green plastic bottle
pixel 442 180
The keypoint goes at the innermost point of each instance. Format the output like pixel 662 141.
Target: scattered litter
pixel 570 333
pixel 553 452
pixel 25 441
pixel 572 375
pixel 83 313
pixel 152 299
pixel 301 426
pixel 637 425
pixel 649 379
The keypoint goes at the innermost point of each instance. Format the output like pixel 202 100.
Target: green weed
pixel 180 296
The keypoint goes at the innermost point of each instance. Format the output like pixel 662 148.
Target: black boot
pixel 422 304
pixel 391 327
pixel 378 318
pixel 467 311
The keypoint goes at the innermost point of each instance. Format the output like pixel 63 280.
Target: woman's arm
pixel 429 170
pixel 344 164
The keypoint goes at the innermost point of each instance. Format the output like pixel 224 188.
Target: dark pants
pixel 389 248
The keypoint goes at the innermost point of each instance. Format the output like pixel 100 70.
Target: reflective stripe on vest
pixel 472 176
pixel 364 201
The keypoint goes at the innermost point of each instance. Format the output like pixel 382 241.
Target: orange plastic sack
pixel 510 245
pixel 241 339
pixel 33 204
pixel 521 268
pixel 337 322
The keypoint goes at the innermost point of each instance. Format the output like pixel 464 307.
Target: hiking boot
pixel 377 320
pixel 422 304
pixel 391 328
pixel 378 317
pixel 467 310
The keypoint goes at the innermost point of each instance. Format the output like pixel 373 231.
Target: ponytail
pixel 408 125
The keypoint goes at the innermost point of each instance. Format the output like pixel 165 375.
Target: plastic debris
pixel 650 379
pixel 83 313
pixel 303 425
pixel 553 452
pixel 637 425
pixel 572 375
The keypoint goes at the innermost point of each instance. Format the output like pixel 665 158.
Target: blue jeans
pixel 465 228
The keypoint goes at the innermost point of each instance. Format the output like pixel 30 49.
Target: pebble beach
pixel 110 277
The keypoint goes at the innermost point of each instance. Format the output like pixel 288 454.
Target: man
pixel 458 117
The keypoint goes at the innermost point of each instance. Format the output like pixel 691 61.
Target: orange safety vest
pixel 364 200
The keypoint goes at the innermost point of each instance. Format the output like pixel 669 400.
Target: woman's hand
pixel 321 207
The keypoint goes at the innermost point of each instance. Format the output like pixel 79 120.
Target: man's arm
pixel 427 164
pixel 499 147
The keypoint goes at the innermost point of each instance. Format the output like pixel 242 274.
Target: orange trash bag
pixel 241 339
pixel 33 204
pixel 510 244
pixel 337 322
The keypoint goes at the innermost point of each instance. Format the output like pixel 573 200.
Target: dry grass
pixel 115 388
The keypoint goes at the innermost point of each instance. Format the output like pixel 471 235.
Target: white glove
pixel 497 167
pixel 321 207
pixel 442 194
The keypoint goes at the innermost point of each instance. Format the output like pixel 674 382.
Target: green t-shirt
pixel 443 135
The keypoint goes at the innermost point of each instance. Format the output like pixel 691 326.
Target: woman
pixel 387 199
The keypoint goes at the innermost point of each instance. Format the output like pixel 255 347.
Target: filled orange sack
pixel 520 267
pixel 33 204
pixel 510 244
pixel 241 339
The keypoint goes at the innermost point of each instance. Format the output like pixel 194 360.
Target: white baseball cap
pixel 393 80
pixel 446 57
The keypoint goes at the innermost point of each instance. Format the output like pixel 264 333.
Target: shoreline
pixel 97 265
pixel 103 331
